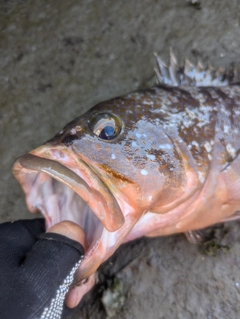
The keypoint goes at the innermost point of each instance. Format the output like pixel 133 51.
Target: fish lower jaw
pixel 100 250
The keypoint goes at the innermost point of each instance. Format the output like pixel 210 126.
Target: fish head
pixel 97 172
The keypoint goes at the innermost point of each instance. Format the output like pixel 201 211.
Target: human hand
pixel 37 268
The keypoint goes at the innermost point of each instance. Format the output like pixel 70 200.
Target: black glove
pixel 36 270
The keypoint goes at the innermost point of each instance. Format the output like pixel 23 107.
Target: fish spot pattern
pixel 162 128
pixel 144 172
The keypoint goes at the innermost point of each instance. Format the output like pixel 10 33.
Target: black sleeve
pixel 36 270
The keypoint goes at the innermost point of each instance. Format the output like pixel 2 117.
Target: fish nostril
pixel 68 139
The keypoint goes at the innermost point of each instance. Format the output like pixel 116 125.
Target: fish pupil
pixel 107 133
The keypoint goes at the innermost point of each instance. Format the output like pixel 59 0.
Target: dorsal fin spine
pixel 189 74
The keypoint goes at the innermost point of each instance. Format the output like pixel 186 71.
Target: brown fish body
pixel 154 162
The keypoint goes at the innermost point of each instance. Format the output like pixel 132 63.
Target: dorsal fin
pixel 189 74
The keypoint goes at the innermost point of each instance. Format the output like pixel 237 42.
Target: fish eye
pixel 105 125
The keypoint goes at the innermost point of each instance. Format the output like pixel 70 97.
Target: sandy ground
pixel 58 58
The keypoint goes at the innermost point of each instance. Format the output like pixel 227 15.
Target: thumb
pixel 70 230
pixel 56 251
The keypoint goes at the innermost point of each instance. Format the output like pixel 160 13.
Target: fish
pixel 155 162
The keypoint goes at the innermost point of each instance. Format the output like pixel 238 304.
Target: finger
pixel 70 230
pixel 56 251
pixel 75 294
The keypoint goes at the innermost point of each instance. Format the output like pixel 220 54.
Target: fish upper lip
pixel 110 213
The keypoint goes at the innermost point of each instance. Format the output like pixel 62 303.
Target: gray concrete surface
pixel 58 58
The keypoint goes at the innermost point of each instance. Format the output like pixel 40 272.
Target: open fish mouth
pixel 60 193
